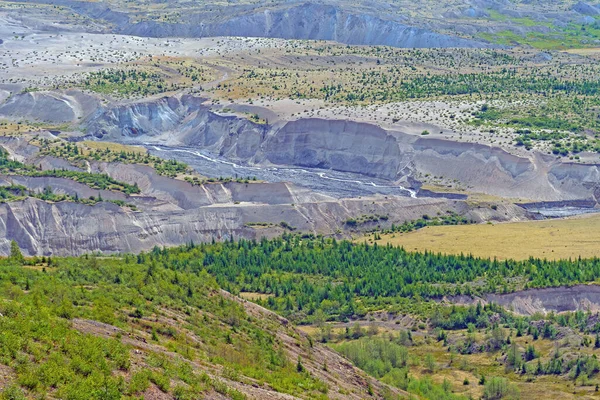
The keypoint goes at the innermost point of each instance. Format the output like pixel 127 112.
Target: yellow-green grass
pixel 551 239
pixel 489 364
pixel 114 147
pixel 253 296
pixel 13 128
pixel 455 368
pixel 585 51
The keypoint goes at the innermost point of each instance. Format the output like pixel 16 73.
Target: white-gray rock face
pixel 54 107
pixel 561 299
pixel 586 8
pixel 546 300
pixel 66 228
pixel 179 121
pixel 347 146
pixel 313 21
pixel 334 144
pixel 307 21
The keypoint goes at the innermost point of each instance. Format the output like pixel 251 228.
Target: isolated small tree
pixel 530 354
pixel 499 388
pixel 299 366
pixel 430 363
pixel 15 253
pixel 513 358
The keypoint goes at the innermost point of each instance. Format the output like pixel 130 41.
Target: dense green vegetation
pixel 389 361
pixel 344 279
pixel 178 318
pixel 167 296
pixel 551 98
pixel 397 83
pixel 566 123
pixel 459 334
pixel 144 78
pixel 559 38
pixel 76 153
pixel 18 192
pixel 373 223
pixel 197 181
pixel 126 82
pixel 450 218
pixel 485 84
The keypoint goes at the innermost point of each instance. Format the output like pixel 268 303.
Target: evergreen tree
pixel 15 253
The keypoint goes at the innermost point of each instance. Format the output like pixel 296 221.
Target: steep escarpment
pixel 66 228
pixel 179 121
pixel 561 299
pixel 335 144
pixel 169 212
pixel 54 107
pixel 582 181
pixel 306 21
pixel 313 21
pixel 543 300
pixel 346 146
pixel 328 144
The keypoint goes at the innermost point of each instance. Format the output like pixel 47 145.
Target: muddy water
pixel 329 182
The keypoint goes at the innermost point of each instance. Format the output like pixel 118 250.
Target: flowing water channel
pixel 329 182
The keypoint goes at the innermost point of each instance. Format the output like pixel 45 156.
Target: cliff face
pixel 347 146
pixel 172 211
pixel 55 107
pixel 179 121
pixel 65 228
pixel 333 144
pixel 340 145
pixel 542 301
pixel 312 21
pixel 305 21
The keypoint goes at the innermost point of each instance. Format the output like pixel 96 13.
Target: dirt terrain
pixel 345 380
pixel 144 79
pixel 172 211
pixel 403 23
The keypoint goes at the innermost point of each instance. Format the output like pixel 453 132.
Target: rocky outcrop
pixel 346 146
pixel 586 8
pixel 170 212
pixel 561 299
pixel 179 121
pixel 296 21
pixel 66 228
pixel 328 144
pixel 54 107
pixel 307 21
pixel 543 301
pixel 335 144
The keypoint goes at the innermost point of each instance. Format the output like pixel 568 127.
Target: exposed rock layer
pixel 296 21
pixel 349 147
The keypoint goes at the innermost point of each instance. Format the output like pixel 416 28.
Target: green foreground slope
pixel 114 327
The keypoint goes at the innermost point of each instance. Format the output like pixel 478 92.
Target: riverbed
pixel 332 183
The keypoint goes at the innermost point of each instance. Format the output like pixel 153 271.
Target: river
pixel 333 183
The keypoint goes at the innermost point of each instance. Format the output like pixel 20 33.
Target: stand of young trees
pixel 303 275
